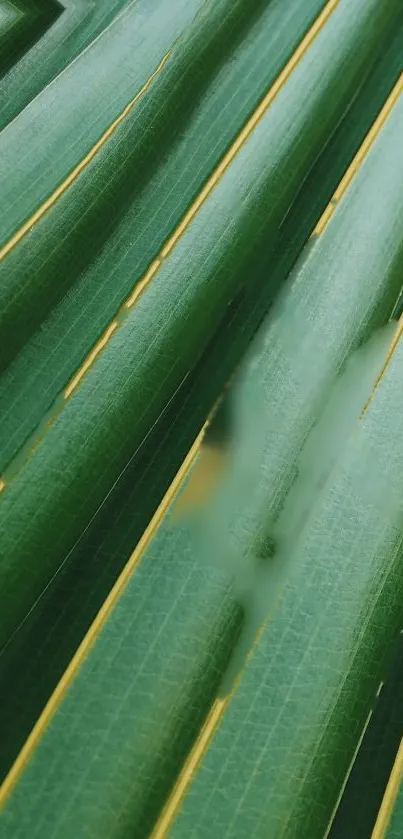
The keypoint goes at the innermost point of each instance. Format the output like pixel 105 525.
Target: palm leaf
pixel 362 798
pixel 21 25
pixel 176 621
pixel 162 282
pixel 112 401
pixel 119 147
pixel 49 639
pixel 43 368
pixel 78 25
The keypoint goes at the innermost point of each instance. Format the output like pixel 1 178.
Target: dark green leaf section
pixel 59 488
pixel 362 797
pixel 48 639
pixel 115 799
pixel 22 23
pixel 284 746
pixel 166 671
pixel 115 217
pixel 40 653
pixel 78 24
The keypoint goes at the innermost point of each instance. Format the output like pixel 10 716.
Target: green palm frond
pixel 201 497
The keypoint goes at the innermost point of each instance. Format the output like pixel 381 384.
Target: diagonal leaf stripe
pixel 46 123
pixel 389 821
pixel 48 203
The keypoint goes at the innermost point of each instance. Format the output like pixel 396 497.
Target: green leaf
pixel 54 494
pixel 44 366
pixel 286 741
pixel 50 637
pixel 362 797
pixel 121 183
pixel 22 23
pixel 176 620
pixel 77 25
pixel 120 61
